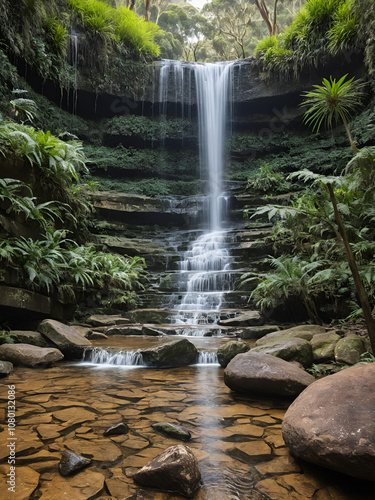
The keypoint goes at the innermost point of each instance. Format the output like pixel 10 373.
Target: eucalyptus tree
pixel 334 102
pixel 231 19
pixel 269 16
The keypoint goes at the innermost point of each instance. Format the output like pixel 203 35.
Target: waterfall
pixel 100 356
pixel 205 267
pixel 74 51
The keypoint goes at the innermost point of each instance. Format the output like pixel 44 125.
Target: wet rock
pixel 257 373
pixel 97 335
pixel 177 353
pixel 175 469
pixel 305 332
pixel 117 429
pixel 71 463
pixel 124 330
pixel 106 320
pixel 230 350
pixel 29 355
pixel 83 486
pixel 101 450
pixel 5 368
pixel 173 430
pixel 256 332
pixel 151 316
pixel 29 337
pixel 65 338
pixel 248 318
pixel 148 330
pixel 292 349
pixel 26 483
pixel 323 346
pixel 332 423
pixel 348 350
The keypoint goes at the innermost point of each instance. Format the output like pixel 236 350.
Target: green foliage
pixel 268 42
pixel 322 29
pixel 117 25
pixel 332 101
pixel 24 107
pixel 57 34
pixel 267 180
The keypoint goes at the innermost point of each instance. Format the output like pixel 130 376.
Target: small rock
pixel 323 346
pixel 29 355
pixel 349 349
pixel 257 373
pixel 97 335
pixel 175 469
pixel 71 463
pixel 148 330
pixel 5 368
pixel 29 337
pixel 230 350
pixel 117 429
pixel 173 430
pixel 176 353
pixel 256 332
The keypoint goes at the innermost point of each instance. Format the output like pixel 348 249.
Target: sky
pixel 198 3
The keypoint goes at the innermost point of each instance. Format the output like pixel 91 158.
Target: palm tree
pixel 334 101
pixel 339 101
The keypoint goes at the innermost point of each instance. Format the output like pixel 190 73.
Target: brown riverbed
pixel 237 439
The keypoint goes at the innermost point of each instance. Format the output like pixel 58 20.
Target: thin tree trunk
pixel 352 143
pixel 147 10
pixel 366 308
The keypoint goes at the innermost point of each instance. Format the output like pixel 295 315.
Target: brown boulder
pixel 29 355
pixel 64 337
pixel 265 374
pixel 175 469
pixel 332 422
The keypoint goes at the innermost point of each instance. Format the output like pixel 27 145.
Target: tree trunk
pixel 271 25
pixel 147 10
pixel 366 308
pixel 352 143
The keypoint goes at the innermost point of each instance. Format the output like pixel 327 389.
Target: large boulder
pixel 323 346
pixel 29 337
pixel 29 355
pixel 177 353
pixel 305 332
pixel 175 469
pixel 332 422
pixel 227 352
pixel 348 350
pixel 292 349
pixel 70 343
pixel 247 318
pixel 257 373
pixel 256 332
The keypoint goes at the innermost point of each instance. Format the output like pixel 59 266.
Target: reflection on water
pixel 236 439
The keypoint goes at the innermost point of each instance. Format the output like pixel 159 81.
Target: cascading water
pixel 74 51
pixel 205 266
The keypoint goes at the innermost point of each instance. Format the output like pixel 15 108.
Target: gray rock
pixel 29 337
pixel 305 332
pixel 148 330
pixel 256 332
pixel 173 430
pixel 348 350
pixel 71 463
pixel 257 373
pixel 323 346
pixel 5 368
pixel 29 355
pixel 332 422
pixel 97 335
pixel 176 353
pixel 292 349
pixel 117 429
pixel 175 469
pixel 248 318
pixel 70 342
pixel 106 320
pixel 230 350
